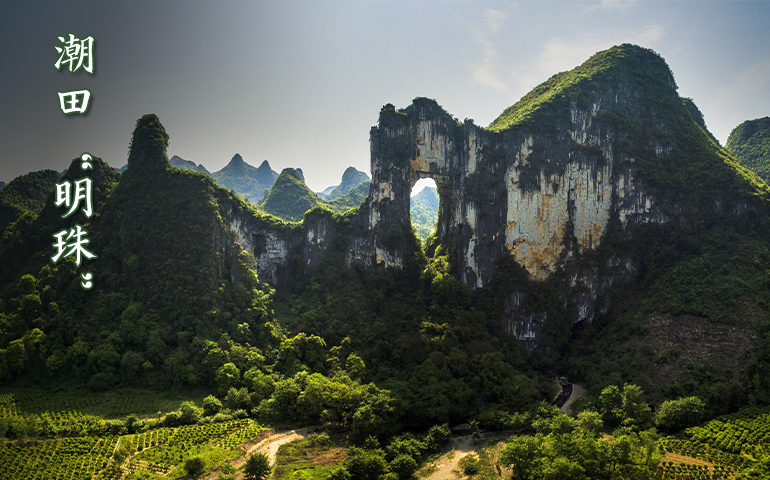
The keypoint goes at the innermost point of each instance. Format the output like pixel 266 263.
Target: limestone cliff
pixel 585 158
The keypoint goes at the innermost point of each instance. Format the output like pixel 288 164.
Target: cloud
pixel 485 71
pixel 560 54
pixel 613 5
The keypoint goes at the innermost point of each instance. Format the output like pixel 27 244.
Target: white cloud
pixel 560 54
pixel 485 71
pixel 612 5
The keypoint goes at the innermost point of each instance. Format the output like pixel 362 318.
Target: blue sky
pixel 300 83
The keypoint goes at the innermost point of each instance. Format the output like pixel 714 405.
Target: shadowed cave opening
pixel 423 207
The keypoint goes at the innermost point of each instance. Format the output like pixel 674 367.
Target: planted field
pixel 56 440
pixel 720 449
pixel 65 458
pixel 747 431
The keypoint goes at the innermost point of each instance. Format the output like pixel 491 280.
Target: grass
pixel 310 459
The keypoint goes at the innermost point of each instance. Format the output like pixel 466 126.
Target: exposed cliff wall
pixel 586 157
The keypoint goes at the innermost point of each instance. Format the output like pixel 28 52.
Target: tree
pixel 521 455
pixel 189 413
pixel 365 464
pixel 404 466
pixel 211 406
pixel 227 376
pixel 355 366
pixel 257 466
pixel 195 466
pixel 624 406
pixel 680 413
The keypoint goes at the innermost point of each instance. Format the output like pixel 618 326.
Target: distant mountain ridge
pixel 250 182
pixel 180 162
pixel 290 198
pixel 351 178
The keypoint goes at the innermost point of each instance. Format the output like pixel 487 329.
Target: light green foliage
pixel 624 406
pixel 580 454
pixel 750 143
pixel 257 466
pixel 355 366
pixel 339 473
pixel 228 376
pixel 423 209
pixel 679 414
pixel 365 464
pixel 403 466
pixel 211 405
pixel 289 198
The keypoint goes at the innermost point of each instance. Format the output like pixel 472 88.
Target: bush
pixel 257 466
pixel 211 405
pixel 403 466
pixel 678 414
pixel 194 466
pixel 339 474
pixel 469 464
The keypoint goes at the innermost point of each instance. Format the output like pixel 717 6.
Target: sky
pixel 300 83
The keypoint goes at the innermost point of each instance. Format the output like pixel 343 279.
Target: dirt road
pixel 269 446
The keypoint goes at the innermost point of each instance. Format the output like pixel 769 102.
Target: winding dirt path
pixel 268 445
pixel 446 466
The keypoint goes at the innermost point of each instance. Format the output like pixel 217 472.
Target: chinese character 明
pixel 75 101
pixel 82 192
pixel 77 53
pixel 66 248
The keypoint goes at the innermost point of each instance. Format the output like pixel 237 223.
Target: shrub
pixel 257 466
pixel 194 466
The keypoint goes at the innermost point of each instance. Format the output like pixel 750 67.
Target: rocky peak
pixel 149 142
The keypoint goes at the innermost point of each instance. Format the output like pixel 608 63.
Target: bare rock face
pixel 581 160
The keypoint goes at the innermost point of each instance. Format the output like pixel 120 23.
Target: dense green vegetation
pixel 351 178
pixel 25 194
pixel 424 211
pixel 750 143
pixel 289 198
pixel 383 358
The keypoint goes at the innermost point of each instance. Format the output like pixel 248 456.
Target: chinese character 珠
pixel 75 101
pixel 77 53
pixel 75 247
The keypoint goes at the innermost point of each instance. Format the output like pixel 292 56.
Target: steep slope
pixel 351 178
pixel 250 182
pixel 750 143
pixel 593 207
pixel 26 193
pixel 169 274
pixel 352 199
pixel 180 162
pixel 424 212
pixel 289 198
